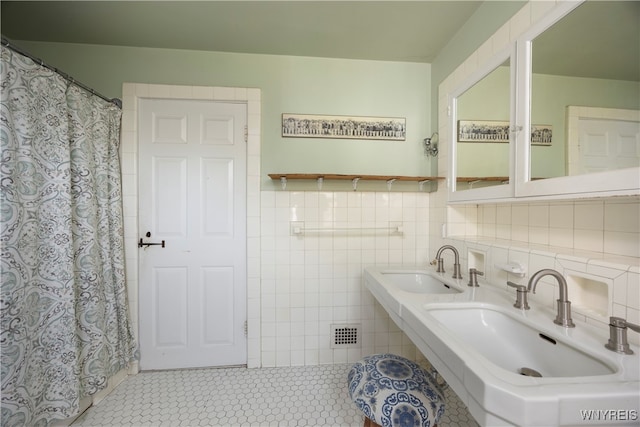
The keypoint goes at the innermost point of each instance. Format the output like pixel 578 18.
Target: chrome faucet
pixel 457 274
pixel 618 335
pixel 564 305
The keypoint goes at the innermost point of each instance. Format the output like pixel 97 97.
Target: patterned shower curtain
pixel 64 317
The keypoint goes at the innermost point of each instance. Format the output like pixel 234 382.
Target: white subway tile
pixel 589 240
pixel 622 217
pixel 589 215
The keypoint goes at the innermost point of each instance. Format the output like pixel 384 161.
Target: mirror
pixel 480 130
pixel 483 128
pixel 574 73
pixel 589 58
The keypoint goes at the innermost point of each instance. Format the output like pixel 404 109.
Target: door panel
pixel 170 129
pixel 192 186
pixel 169 196
pixel 217 130
pixel 608 145
pixel 170 296
pixel 218 295
pixel 217 186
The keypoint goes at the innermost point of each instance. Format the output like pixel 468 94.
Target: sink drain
pixel 528 372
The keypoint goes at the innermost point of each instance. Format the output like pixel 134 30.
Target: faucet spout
pixel 457 274
pixel 563 317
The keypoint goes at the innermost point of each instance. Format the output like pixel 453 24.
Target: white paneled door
pixel 192 197
pixel 607 145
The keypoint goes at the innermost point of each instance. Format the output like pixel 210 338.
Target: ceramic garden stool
pixel 393 391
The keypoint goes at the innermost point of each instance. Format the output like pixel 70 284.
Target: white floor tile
pixel 292 396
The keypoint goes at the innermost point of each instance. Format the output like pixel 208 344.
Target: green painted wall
pixel 551 96
pixel 486 100
pixel 289 85
pixel 490 16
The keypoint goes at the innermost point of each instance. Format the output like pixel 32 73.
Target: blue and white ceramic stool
pixel 393 391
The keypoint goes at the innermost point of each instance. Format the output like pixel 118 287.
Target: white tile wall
pixel 314 280
pixel 609 226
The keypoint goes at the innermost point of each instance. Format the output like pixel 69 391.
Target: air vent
pixel 345 336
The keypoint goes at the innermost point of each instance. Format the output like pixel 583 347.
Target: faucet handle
pixel 618 335
pixel 521 296
pixel 473 277
pixel 622 323
pixel 521 288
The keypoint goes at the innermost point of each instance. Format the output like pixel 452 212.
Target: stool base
pixel 369 423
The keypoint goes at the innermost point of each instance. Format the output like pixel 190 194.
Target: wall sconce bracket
pixel 431 145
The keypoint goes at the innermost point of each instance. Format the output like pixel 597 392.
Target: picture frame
pixel 498 131
pixel 483 131
pixel 343 127
pixel 541 135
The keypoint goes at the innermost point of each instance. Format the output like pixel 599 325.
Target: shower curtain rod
pixel 10 45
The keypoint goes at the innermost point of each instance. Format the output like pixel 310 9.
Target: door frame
pixel 132 92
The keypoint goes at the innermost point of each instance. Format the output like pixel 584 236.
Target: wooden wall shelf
pixel 283 177
pixel 277 176
pixel 481 178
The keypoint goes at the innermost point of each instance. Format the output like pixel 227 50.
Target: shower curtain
pixel 64 317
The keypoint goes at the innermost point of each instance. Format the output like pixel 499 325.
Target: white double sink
pixel 510 366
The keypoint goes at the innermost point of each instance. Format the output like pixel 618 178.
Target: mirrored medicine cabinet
pixel 556 114
pixel 482 150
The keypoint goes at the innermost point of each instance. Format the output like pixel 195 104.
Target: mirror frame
pixel 615 182
pixel 495 191
pixel 622 182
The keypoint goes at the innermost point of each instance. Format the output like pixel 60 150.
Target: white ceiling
pixel 412 31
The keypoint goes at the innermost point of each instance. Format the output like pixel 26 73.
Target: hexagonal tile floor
pixel 295 396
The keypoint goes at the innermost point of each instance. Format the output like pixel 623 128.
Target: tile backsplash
pixel 594 243
pixel 599 225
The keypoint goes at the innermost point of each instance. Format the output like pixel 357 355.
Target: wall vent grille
pixel 345 336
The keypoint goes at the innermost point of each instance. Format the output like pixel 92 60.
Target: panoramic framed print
pixel 483 131
pixel 349 127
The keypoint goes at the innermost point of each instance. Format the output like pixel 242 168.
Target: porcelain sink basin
pixel 417 282
pixel 513 344
pixel 491 353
